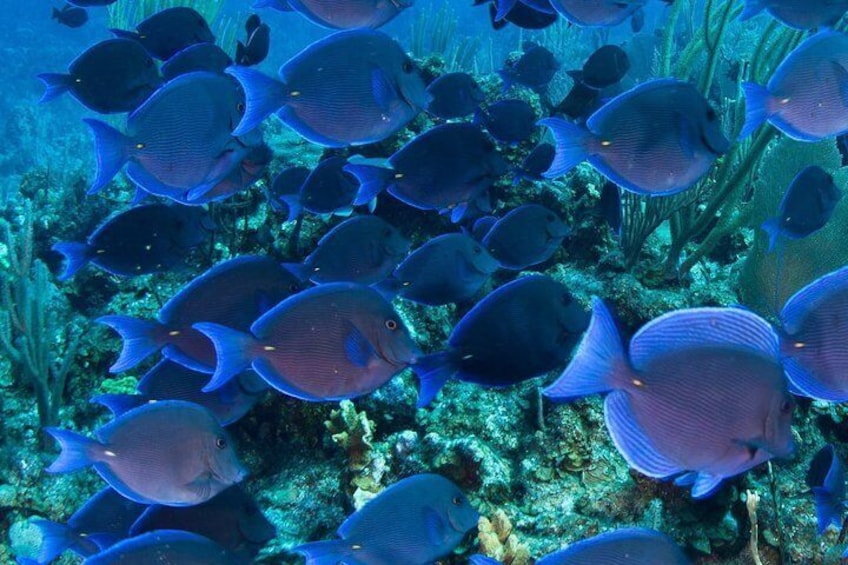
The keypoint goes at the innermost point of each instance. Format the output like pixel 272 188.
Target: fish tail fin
pixel 506 77
pixel 233 351
pixel 292 202
pixel 570 140
pixel 263 94
pixel 55 84
pixel 373 176
pixel 76 255
pixel 327 552
pixel 124 34
pixel 752 8
pixel 298 270
pixel 772 228
pixel 240 53
pixel 142 338
pixel 756 107
pixel 112 150
pixel 55 539
pixel 828 510
pixel 433 372
pixel 593 368
pixel 118 404
pixel 77 451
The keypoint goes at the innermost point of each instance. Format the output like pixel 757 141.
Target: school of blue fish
pixel 696 396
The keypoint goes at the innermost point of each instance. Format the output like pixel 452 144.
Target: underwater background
pixel 541 475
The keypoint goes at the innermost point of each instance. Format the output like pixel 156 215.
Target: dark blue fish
pixel 805 95
pixel 610 205
pixel 826 479
pixel 102 521
pixel 699 392
pixel 814 332
pixel 91 3
pixel 637 20
pixel 71 16
pixel 535 163
pixel 521 330
pixel 232 519
pixel 415 522
pixel 605 67
pixel 597 13
pixel 342 14
pixel 482 226
pixel 194 112
pixel 508 121
pixel 447 168
pixel 351 88
pixel 449 268
pixel 165 546
pixel 520 15
pixel 206 57
pixel 168 32
pixel 258 43
pixel 142 454
pixel 534 69
pixel 806 206
pixel 797 14
pixel 363 250
pixel 113 76
pixel 658 138
pixel 483 560
pixel 234 292
pixel 243 175
pixel 580 103
pixel 330 342
pixel 454 95
pixel 526 236
pixel 171 381
pixel 328 189
pixel 141 240
pixel 286 185
pixel 628 545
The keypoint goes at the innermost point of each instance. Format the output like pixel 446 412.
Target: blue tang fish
pixel 449 268
pixel 165 546
pixel 141 240
pixel 102 521
pixel 454 95
pixel 620 547
pixel 258 43
pixel 597 13
pixel 70 16
pixel 232 519
pixel 171 452
pixel 806 207
pixel 351 88
pixel 526 236
pixel 604 68
pixel 415 521
pixel 797 14
pixel 91 3
pixel 194 112
pixel 244 174
pixel 206 57
pixel 814 326
pixel 805 97
pixel 508 121
pixel 285 186
pixel 826 479
pixel 521 330
pixel 331 342
pixel 169 31
pixel 328 189
pixel 526 15
pixel 658 138
pixel 446 168
pixel 168 380
pixel 234 292
pixel 700 392
pixel 342 14
pixel 535 163
pixel 534 69
pixel 113 76
pixel 363 249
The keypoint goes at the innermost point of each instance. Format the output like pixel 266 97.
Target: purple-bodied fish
pixel 141 240
pixel 169 452
pixel 351 88
pixel 806 96
pixel 415 521
pixel 113 76
pixel 104 520
pixel 331 342
pixel 446 168
pixel 814 332
pixel 169 31
pixel 165 546
pixel 364 250
pixel 243 175
pixel 449 268
pixel 635 546
pixel 658 138
pixel 826 480
pixel 798 14
pixel 700 392
pixel 232 519
pixel 521 330
pixel 179 140
pixel 597 13
pixel 171 381
pixel 526 236
pixel 234 292
pixel 342 14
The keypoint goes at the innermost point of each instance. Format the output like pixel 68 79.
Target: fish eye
pixel 240 107
pixel 477 250
pixel 391 324
pixel 408 66
pixel 221 443
pixel 457 500
pixel 711 115
pixel 786 406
